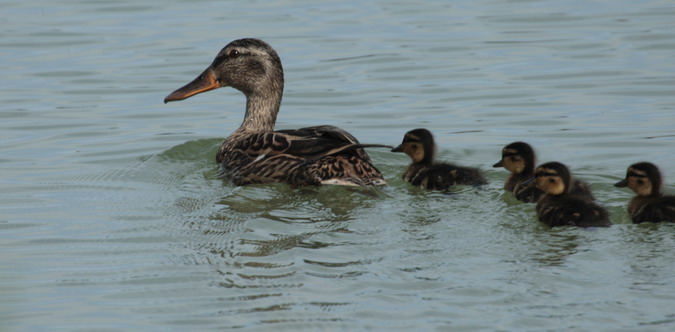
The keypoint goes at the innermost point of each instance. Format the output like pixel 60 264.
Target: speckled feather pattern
pixel 255 152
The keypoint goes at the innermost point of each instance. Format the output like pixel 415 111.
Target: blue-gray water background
pixel 112 216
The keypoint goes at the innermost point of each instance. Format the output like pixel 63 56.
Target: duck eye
pixel 551 180
pixel 640 182
pixel 233 54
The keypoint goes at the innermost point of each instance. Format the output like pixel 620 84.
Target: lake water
pixel 112 216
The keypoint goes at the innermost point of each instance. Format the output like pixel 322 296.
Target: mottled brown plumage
pixel 650 204
pixel 255 152
pixel 558 206
pixel 424 172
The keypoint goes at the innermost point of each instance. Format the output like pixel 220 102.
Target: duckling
pixel 256 152
pixel 519 159
pixel 650 205
pixel 558 206
pixel 424 172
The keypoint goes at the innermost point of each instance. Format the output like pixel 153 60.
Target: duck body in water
pixel 519 158
pixel 255 152
pixel 560 207
pixel 424 172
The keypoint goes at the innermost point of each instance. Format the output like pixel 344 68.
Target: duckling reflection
pixel 520 159
pixel 650 204
pixel 424 172
pixel 560 207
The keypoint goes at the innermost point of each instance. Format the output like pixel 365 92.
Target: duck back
pixel 566 210
pixel 443 176
pixel 652 209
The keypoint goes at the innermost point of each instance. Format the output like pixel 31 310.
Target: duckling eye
pixel 640 182
pixel 233 54
pixel 551 180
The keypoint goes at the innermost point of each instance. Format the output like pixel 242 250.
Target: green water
pixel 112 216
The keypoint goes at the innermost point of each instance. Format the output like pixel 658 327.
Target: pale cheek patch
pixel 553 188
pixel 515 165
pixel 644 189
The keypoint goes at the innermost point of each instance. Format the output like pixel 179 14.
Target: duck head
pixel 419 145
pixel 248 65
pixel 643 178
pixel 552 178
pixel 517 158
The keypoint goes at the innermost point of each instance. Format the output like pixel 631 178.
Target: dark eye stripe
pixel 545 174
pixel 636 175
pixel 219 60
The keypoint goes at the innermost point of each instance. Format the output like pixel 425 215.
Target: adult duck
pixel 255 152
pixel 650 204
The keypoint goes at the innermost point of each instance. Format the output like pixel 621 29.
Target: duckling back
pixel 571 211
pixel 442 176
pixel 652 209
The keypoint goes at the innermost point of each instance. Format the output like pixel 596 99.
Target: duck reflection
pixel 262 236
pixel 556 247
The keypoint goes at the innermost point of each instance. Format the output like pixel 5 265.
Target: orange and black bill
pixel 204 82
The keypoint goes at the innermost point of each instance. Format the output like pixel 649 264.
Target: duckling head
pixel 553 178
pixel 643 178
pixel 419 145
pixel 517 158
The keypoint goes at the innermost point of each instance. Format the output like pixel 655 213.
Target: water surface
pixel 112 216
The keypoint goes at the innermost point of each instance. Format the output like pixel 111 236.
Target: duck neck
pixel 261 112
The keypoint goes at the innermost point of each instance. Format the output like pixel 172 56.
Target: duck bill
pixel 499 164
pixel 528 182
pixel 204 82
pixel 398 148
pixel 621 184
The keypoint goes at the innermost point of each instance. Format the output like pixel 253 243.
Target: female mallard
pixel 423 172
pixel 558 206
pixel 650 204
pixel 255 152
pixel 519 159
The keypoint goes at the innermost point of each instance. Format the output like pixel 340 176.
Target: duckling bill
pixel 560 207
pixel 649 204
pixel 424 172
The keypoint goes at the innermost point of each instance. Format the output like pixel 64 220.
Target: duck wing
pixel 319 141
pixel 309 143
pixel 301 156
